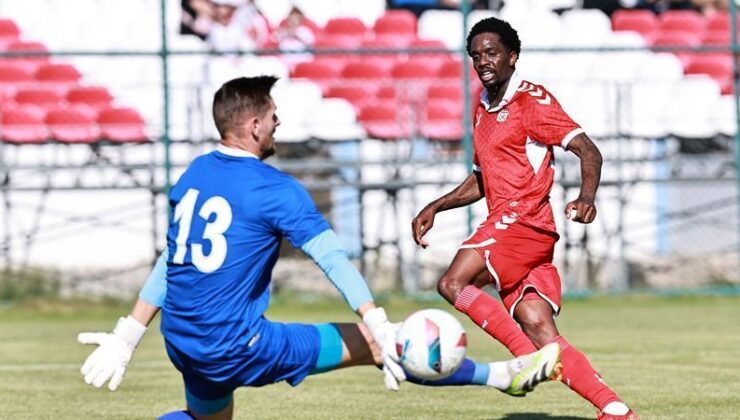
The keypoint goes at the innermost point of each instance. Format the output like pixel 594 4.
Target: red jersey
pixel 512 145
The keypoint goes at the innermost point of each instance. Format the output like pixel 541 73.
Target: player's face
pixel 492 60
pixel 268 124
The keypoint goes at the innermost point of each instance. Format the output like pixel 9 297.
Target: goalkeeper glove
pixel 109 360
pixel 384 334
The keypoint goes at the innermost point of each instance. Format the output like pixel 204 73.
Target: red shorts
pixel 519 259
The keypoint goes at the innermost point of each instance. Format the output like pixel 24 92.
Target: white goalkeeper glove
pixel 384 334
pixel 109 360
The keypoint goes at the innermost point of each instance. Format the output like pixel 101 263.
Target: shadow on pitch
pixel 539 416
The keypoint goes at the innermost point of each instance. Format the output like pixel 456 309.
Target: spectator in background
pixel 419 6
pixel 237 25
pixel 296 32
pixel 225 24
pixel 706 7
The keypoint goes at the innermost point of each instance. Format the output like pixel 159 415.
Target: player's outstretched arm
pixel 468 192
pixel 583 208
pixel 109 360
pixel 328 253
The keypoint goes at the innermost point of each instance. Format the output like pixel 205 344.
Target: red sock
pixel 491 315
pixel 581 377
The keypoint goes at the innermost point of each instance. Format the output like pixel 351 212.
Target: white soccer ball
pixel 431 344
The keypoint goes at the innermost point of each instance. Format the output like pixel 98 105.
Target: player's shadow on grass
pixel 539 416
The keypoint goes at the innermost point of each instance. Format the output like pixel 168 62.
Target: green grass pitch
pixel 669 358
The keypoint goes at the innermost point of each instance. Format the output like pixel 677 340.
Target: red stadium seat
pixel 433 59
pixel 719 21
pixel 72 125
pixel 23 125
pixel 361 70
pixel 397 21
pixel 31 62
pixel 63 76
pixel 678 39
pixel 324 75
pixel 13 78
pixel 96 97
pixel 346 26
pixel 122 125
pixel 385 60
pixel 9 32
pixel 643 22
pixel 358 96
pixel 449 92
pixel 415 69
pixel 443 121
pixel 382 121
pixel 681 20
pixel 717 66
pixel 46 99
pixel 716 38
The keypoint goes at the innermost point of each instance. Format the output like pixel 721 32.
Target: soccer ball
pixel 431 344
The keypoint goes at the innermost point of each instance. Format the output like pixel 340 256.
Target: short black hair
pixel 508 35
pixel 244 95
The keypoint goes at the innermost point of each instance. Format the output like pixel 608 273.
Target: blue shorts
pixel 283 352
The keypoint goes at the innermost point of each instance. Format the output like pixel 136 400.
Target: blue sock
pixel 176 415
pixel 469 373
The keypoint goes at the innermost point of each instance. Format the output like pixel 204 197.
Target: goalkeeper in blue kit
pixel 230 212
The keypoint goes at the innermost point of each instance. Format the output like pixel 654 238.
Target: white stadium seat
pixel 295 100
pixel 334 119
pixel 723 117
pixel 442 25
pixel 689 110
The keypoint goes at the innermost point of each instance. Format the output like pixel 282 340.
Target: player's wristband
pixel 130 330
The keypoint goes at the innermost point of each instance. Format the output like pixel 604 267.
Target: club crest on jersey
pixel 503 115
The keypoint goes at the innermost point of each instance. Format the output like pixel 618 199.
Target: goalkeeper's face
pixel 492 60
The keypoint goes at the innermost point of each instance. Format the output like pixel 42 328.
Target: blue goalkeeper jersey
pixel 229 214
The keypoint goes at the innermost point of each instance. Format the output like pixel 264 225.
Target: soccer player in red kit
pixel 516 125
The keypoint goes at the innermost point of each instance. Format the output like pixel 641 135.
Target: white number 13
pixel 213 232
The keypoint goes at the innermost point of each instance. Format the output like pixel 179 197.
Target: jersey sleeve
pixel 290 210
pixel 546 122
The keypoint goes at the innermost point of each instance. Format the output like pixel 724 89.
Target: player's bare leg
pixel 466 268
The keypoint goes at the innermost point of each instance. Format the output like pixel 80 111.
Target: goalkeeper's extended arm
pixel 109 361
pixel 328 253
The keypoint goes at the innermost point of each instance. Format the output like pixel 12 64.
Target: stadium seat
pixel 335 119
pixel 257 66
pixel 397 21
pixel 385 60
pixel 443 120
pixel 642 108
pixel 619 66
pixel 643 22
pixel 23 125
pixel 121 125
pixel 383 121
pixel 57 75
pixel 295 101
pixel 96 97
pixel 442 25
pixel 9 32
pixel 414 69
pixel 716 38
pixel 358 96
pixel 689 110
pixel 678 39
pixel 724 119
pixel 432 59
pixel 718 67
pixel 345 27
pixel 369 11
pixel 30 63
pixel 43 98
pixel 586 26
pixel 445 92
pixel 719 21
pixel 681 21
pixel 370 72
pixel 72 125
pixel 13 78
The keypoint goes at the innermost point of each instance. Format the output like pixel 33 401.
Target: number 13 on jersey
pixel 213 232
